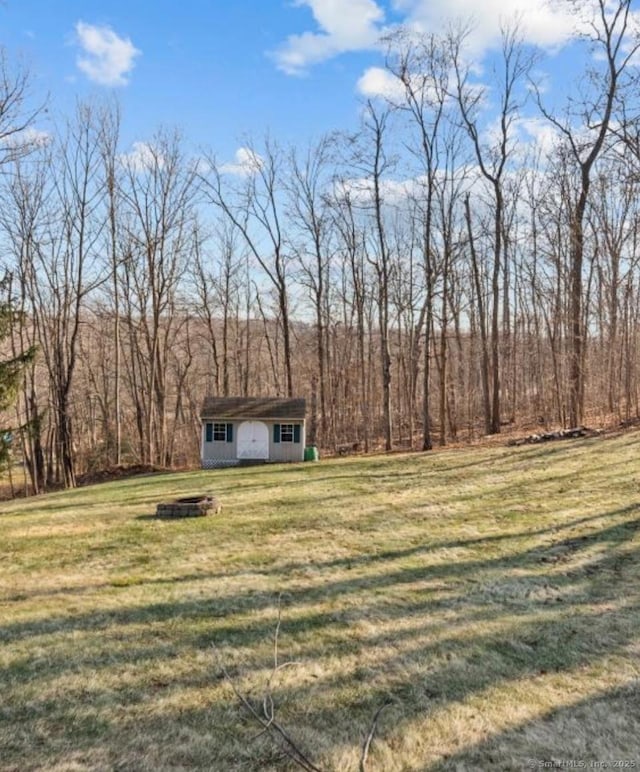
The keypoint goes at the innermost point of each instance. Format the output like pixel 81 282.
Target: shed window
pixel 220 432
pixel 286 433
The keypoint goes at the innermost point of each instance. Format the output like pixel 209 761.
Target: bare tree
pixel 422 66
pixel 493 154
pixel 355 281
pixel 158 194
pixel 65 270
pixel 370 165
pixel 217 274
pixel 310 216
pixel 254 206
pixel 612 221
pixel 109 136
pixel 18 138
pixel 22 205
pixel 612 37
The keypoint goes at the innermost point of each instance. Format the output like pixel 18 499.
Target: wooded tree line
pixel 467 258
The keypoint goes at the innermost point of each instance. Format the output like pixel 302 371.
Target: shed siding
pixel 228 451
pixel 287 451
pixel 218 450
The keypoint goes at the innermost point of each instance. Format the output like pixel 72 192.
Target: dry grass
pixel 491 595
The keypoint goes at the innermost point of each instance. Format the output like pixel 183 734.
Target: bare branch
pixel 267 719
pixel 367 743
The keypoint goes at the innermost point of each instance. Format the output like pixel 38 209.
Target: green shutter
pixel 296 432
pixel 276 432
pixel 229 432
pixel 208 432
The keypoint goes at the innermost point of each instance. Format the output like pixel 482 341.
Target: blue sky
pixel 226 69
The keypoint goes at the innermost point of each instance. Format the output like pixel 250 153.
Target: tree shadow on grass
pixel 415 667
pixel 421 678
pixel 451 678
pixel 599 730
pixel 557 550
pixel 456 668
pixel 378 557
pixel 461 569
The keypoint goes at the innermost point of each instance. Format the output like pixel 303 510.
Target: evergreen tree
pixel 10 369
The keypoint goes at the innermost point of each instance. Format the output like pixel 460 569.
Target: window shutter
pixel 276 432
pixel 296 432
pixel 229 432
pixel 209 432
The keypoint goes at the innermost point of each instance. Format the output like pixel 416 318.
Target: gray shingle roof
pixel 253 407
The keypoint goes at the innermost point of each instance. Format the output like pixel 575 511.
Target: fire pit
pixel 192 506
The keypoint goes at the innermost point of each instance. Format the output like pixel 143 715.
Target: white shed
pixel 251 429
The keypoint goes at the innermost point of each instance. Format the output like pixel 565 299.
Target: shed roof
pixel 253 407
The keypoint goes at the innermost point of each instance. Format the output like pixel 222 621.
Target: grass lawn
pixel 491 596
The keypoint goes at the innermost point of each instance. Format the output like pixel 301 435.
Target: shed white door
pixel 253 440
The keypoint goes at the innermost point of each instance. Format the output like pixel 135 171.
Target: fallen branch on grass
pixel 369 738
pixel 266 715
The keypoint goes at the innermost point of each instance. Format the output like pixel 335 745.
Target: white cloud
pixel 199 166
pixel 27 139
pixel 541 132
pixel 360 190
pixel 345 25
pixel 106 58
pixel 356 25
pixel 378 82
pixel 246 162
pixel 541 22
pixel 142 157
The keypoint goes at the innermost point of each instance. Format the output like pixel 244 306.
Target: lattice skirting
pixel 219 463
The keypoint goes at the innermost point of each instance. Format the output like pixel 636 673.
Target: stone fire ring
pixel 192 506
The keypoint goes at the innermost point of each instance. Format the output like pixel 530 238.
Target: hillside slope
pixel 491 597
